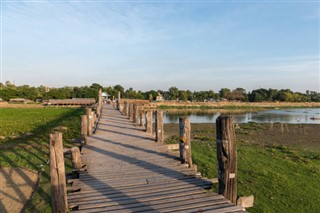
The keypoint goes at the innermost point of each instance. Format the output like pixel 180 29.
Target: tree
pixel 118 88
pixel 183 95
pixel 223 92
pixel 173 93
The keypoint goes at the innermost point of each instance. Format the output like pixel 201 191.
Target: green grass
pixel 31 151
pixel 282 178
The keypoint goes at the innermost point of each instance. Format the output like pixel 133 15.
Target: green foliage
pixel 9 90
pixel 41 92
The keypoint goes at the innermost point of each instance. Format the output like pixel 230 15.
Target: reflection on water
pixel 301 115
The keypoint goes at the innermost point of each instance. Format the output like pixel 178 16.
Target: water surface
pixel 294 116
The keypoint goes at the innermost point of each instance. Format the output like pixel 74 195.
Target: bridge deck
pixel 128 172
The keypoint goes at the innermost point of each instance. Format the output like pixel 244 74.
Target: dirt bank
pixel 17 186
pixel 299 135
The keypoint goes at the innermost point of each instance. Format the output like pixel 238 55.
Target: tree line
pixel 9 90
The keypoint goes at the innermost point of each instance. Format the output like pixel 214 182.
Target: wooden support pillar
pixel 227 158
pixel 94 121
pixel 57 174
pixel 124 110
pixel 99 103
pixel 127 109
pixel 119 101
pixel 135 113
pixel 142 118
pixel 149 121
pixel 159 126
pixel 90 118
pixel 76 158
pixel 185 141
pixel 84 127
pixel 130 111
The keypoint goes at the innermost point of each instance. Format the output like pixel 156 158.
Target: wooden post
pixel 127 109
pixel 76 158
pixel 84 127
pixel 130 111
pixel 57 174
pixel 99 102
pixel 135 113
pixel 92 122
pixel 159 126
pixel 185 141
pixel 142 118
pixel 90 118
pixel 227 158
pixel 149 121
pixel 125 106
pixel 118 101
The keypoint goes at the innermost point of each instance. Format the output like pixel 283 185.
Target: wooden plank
pixel 112 191
pixel 224 208
pixel 158 205
pixel 137 188
pixel 125 199
pixel 130 184
pixel 186 204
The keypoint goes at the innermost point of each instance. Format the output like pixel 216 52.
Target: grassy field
pixel 24 143
pixel 281 173
pixel 282 177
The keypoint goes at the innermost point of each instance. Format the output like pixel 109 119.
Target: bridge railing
pixel 58 180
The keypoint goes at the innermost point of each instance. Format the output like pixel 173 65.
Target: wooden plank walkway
pixel 128 172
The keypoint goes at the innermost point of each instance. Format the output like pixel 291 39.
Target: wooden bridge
pixel 126 171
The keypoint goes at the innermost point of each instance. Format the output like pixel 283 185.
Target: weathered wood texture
pixel 135 113
pixel 130 115
pixel 119 101
pixel 142 118
pixel 149 121
pixel 90 118
pixel 92 121
pixel 185 141
pixel 128 172
pixel 57 174
pixel 99 107
pixel 227 158
pixel 84 127
pixel 159 126
pixel 125 108
pixel 76 158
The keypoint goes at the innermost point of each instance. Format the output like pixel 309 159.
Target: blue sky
pixel 154 45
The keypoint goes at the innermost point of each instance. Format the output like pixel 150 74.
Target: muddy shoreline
pixel 306 136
